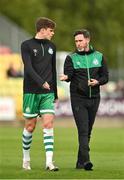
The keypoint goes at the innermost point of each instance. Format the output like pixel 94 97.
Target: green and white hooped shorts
pixel 38 104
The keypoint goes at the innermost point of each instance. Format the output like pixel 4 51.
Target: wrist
pixel 97 82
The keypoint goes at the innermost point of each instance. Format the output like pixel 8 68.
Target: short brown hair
pixel 43 22
pixel 85 33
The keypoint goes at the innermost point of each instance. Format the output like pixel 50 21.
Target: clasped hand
pixel 63 77
pixel 46 86
pixel 92 82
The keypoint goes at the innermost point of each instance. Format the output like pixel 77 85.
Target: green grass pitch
pixel 107 154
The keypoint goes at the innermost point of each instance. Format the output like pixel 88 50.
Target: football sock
pixel 26 141
pixel 48 143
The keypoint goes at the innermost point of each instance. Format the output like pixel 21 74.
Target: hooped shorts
pixel 38 104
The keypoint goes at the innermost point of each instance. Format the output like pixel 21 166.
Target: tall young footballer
pixel 39 88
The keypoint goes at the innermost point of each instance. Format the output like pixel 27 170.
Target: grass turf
pixel 107 154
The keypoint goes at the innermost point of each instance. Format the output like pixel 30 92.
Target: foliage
pixel 102 17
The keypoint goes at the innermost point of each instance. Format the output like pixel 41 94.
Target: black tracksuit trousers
pixel 84 111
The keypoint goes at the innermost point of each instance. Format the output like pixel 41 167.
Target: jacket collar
pixel 91 50
pixel 43 41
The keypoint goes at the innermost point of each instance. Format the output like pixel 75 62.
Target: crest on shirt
pixel 50 50
pixel 95 61
pixel 35 52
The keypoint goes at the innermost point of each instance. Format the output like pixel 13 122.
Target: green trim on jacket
pixel 80 61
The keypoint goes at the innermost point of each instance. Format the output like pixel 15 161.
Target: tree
pixel 103 18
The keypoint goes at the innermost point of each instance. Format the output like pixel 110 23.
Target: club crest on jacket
pixel 50 50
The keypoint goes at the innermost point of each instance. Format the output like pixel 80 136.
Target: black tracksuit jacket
pixel 81 66
pixel 39 58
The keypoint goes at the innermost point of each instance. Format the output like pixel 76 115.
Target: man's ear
pixel 42 30
pixel 88 40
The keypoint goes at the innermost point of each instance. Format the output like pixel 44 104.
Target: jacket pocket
pixel 83 89
pixel 95 91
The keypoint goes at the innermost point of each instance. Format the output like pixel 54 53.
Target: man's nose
pixel 78 43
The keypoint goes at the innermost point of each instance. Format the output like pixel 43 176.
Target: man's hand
pixel 93 82
pixel 46 86
pixel 63 77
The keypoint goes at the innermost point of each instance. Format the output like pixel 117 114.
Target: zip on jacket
pixel 88 74
pixel 42 48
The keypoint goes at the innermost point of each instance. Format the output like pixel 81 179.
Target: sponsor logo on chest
pixel 35 52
